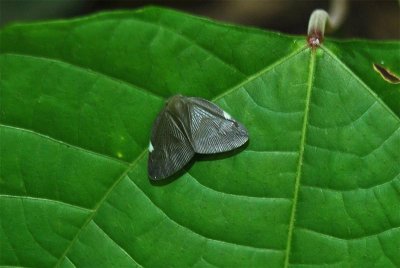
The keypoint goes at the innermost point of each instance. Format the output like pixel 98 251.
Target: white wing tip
pixel 151 148
pixel 227 116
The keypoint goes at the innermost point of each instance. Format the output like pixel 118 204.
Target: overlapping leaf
pixel 318 184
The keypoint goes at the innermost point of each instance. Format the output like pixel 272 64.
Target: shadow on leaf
pixel 200 157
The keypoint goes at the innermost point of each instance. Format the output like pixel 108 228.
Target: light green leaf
pixel 317 185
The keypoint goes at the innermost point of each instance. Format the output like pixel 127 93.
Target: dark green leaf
pixel 318 184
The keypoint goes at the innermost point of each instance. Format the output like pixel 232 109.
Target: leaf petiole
pixel 320 20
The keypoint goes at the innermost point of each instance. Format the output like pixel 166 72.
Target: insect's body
pixel 186 126
pixel 176 107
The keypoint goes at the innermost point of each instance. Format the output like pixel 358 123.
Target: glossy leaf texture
pixel 317 185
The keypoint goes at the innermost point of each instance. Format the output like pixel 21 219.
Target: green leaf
pixel 318 184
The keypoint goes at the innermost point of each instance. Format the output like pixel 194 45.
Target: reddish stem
pixel 315 38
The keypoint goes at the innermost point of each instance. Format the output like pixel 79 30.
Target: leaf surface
pixel 317 185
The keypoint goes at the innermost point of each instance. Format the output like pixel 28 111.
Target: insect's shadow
pixel 175 176
pixel 218 156
pixel 200 157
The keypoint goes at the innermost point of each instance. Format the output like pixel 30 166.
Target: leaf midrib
pixel 311 70
pixel 304 133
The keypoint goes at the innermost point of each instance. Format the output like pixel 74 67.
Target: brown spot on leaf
pixel 386 74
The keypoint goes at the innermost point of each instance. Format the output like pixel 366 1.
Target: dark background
pixel 372 19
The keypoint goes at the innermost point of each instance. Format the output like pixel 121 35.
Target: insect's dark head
pixel 176 104
pixel 173 99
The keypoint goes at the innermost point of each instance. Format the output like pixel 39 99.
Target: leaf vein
pixel 350 190
pixel 301 154
pixel 269 110
pixel 334 57
pixel 87 70
pixel 114 242
pixel 40 199
pixel 191 41
pixel 31 233
pixel 194 232
pixel 386 255
pixel 351 238
pixel 66 144
pixel 70 261
pixel 362 156
pixel 255 198
pixel 101 201
pixel 259 73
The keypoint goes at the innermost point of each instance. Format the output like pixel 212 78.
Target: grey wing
pixel 212 130
pixel 169 149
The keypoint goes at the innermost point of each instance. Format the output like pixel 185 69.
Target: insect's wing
pixel 169 149
pixel 212 130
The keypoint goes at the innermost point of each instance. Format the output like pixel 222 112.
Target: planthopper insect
pixel 189 125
